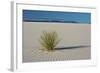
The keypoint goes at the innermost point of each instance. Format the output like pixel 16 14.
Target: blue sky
pixel 55 16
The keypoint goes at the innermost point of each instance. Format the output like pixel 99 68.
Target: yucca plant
pixel 49 40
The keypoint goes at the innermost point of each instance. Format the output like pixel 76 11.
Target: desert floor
pixel 75 43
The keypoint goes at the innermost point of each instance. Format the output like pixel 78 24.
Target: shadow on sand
pixel 71 47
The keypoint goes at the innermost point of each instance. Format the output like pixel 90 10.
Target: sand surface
pixel 71 35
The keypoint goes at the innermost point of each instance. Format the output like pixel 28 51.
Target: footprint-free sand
pixel 71 35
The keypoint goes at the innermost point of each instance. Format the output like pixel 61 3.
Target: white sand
pixel 71 35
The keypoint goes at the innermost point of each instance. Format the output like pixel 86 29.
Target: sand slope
pixel 71 35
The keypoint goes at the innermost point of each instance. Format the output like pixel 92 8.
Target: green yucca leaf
pixel 49 40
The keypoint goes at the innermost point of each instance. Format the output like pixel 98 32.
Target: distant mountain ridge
pixel 45 20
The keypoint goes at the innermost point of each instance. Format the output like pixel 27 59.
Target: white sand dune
pixel 71 35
